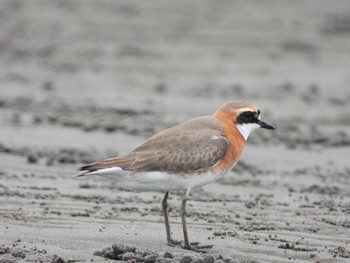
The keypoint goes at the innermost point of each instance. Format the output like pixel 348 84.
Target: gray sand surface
pixel 85 80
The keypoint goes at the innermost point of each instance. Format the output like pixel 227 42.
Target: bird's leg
pixel 171 242
pixel 187 245
pixel 183 219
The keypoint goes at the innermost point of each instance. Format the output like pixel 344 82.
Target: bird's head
pixel 244 115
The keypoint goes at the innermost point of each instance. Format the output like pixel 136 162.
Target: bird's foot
pixel 174 242
pixel 195 246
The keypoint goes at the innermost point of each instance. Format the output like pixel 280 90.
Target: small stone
pixel 186 259
pixel 150 258
pixel 32 158
pixel 219 256
pixel 4 249
pixel 18 253
pixel 227 259
pixel 7 260
pixel 138 258
pixel 146 252
pixel 57 259
pixel 128 256
pixel 209 259
pixel 122 248
pixel 98 253
pixel 41 251
pixel 168 255
pixel 109 253
pixel 164 260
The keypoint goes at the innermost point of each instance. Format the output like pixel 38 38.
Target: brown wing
pixel 192 146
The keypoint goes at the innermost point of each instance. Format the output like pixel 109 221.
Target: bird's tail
pixel 81 173
pixel 115 172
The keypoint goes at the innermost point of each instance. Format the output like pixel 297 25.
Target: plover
pixel 186 156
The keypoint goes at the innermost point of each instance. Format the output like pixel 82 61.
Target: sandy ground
pixel 84 80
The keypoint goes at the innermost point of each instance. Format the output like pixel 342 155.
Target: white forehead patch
pixel 246 128
pixel 244 109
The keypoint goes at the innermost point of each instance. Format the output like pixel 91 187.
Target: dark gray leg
pixel 171 242
pixel 187 245
pixel 183 219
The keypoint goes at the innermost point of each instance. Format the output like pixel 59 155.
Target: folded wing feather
pixel 189 147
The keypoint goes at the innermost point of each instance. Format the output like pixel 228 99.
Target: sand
pixel 85 80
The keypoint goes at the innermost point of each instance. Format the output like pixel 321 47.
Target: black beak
pixel 265 125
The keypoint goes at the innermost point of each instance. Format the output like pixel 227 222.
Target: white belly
pixel 157 181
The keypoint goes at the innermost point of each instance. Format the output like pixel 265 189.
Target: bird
pixel 186 156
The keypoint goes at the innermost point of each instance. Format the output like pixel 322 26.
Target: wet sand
pixel 85 80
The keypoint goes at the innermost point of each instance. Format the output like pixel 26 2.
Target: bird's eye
pixel 248 115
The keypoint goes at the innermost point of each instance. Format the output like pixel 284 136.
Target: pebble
pixel 227 259
pixel 120 248
pixel 4 249
pixel 7 260
pixel 109 253
pixel 198 260
pixel 150 258
pixel 32 158
pixel 186 259
pixel 128 256
pixel 18 253
pixel 123 252
pixel 209 259
pixel 168 255
pixel 165 260
pixel 57 259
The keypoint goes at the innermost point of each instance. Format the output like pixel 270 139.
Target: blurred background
pixel 75 63
pixel 88 51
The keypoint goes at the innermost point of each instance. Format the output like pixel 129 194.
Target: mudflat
pixel 85 80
